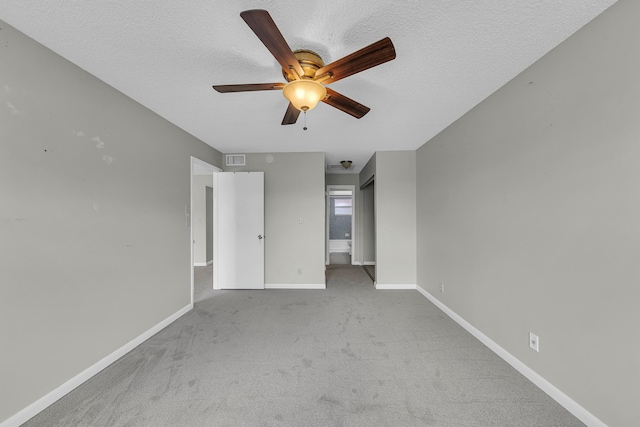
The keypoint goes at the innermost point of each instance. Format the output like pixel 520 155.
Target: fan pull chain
pixel 305 121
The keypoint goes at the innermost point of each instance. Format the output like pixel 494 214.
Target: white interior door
pixel 240 231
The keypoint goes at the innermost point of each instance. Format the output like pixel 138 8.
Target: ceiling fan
pixel 305 72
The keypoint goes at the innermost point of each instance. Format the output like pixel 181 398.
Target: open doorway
pixel 368 249
pixel 340 224
pixel 201 229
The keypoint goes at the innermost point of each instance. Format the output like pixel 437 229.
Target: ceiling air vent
pixel 235 160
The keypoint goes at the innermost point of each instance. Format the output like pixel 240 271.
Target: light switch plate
pixel 534 342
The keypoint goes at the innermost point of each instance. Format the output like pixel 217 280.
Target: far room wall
pixel 393 237
pixel 294 215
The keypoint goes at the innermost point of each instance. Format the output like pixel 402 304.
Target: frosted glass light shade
pixel 304 94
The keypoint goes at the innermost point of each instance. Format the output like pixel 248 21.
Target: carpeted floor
pixel 371 271
pixel 349 355
pixel 339 258
pixel 202 283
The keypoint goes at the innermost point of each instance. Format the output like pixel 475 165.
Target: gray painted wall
pixel 293 189
pixel 368 171
pixel 528 211
pixel 94 246
pixel 389 216
pixel 395 217
pixel 343 179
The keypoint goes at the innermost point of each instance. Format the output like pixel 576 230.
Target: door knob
pixel 259 236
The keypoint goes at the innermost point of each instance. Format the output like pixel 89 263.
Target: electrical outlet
pixel 534 342
pixel 442 287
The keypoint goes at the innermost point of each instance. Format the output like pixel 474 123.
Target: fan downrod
pixel 310 62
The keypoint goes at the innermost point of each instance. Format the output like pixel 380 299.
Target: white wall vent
pixel 235 160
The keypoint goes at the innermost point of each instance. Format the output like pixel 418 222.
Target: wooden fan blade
pixel 263 26
pixel 248 87
pixel 345 104
pixel 291 116
pixel 368 57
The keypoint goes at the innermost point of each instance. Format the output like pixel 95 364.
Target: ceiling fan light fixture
pixel 304 94
pixel 306 71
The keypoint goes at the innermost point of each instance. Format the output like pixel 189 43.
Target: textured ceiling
pixel 167 54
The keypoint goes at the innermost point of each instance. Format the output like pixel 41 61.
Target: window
pixel 343 207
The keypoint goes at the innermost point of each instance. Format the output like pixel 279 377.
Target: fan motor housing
pixel 309 61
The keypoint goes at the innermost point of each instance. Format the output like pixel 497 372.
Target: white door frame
pixel 199 165
pixel 354 246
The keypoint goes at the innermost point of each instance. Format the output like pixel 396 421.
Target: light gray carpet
pixel 202 283
pixel 346 356
pixel 339 258
pixel 371 271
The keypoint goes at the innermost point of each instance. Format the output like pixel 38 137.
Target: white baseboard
pixel 41 404
pixel 369 263
pixel 569 404
pixel 391 286
pixel 209 262
pixel 295 286
pixel 199 264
